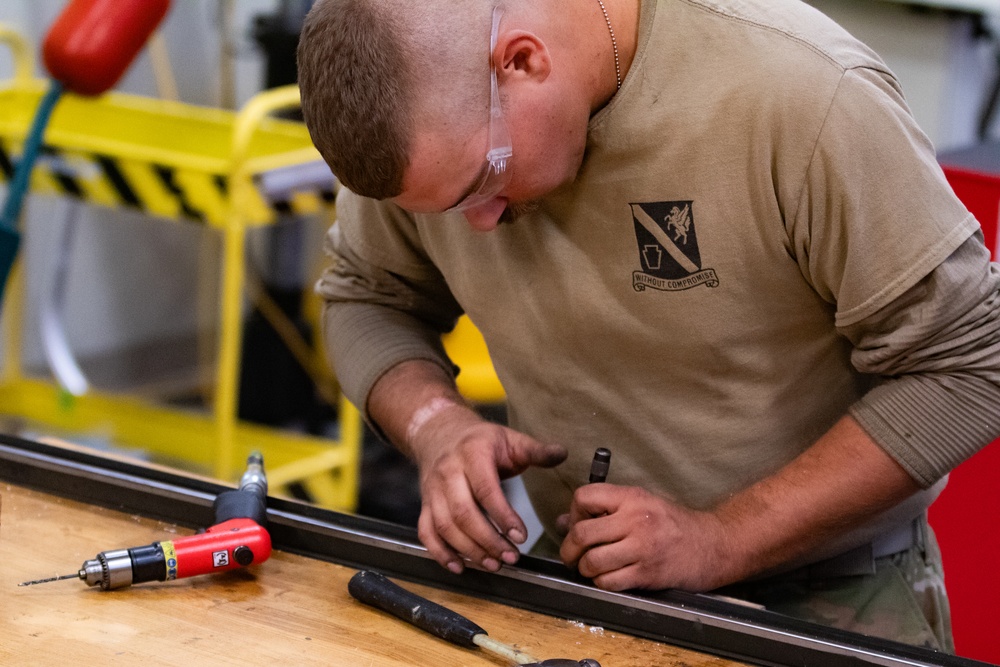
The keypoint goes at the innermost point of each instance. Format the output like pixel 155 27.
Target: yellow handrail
pixel 233 278
pixel 24 63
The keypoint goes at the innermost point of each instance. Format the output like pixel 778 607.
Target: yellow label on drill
pixel 170 558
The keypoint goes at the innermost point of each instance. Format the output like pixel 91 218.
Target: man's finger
pixel 461 522
pixel 450 526
pixel 562 524
pixel 593 500
pixel 530 452
pixel 622 579
pixel 587 534
pixel 606 556
pixel 486 489
pixel 436 547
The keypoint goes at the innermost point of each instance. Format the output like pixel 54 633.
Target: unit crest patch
pixel 668 248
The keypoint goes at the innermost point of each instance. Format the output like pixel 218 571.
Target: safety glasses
pixel 495 174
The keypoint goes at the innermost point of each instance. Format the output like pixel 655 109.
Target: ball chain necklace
pixel 614 44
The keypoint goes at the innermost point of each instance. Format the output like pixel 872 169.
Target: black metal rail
pixel 690 620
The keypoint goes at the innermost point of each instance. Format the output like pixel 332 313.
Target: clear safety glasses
pixel 496 172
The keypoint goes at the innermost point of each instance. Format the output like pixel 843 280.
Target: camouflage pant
pixel 904 600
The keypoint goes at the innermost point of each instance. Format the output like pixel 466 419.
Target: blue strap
pixel 10 239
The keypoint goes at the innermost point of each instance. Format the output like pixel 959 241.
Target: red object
pixel 93 42
pixel 222 547
pixel 980 192
pixel 966 518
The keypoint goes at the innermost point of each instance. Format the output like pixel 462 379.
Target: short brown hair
pixel 355 98
pixel 362 64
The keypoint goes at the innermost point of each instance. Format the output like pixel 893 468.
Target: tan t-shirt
pixel 756 184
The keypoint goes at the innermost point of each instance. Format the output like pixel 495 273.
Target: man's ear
pixel 520 54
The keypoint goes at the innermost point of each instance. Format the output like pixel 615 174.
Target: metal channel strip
pixel 694 621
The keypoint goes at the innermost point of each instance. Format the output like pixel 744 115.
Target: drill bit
pixel 45 581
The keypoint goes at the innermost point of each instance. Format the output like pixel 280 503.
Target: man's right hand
pixel 461 458
pixel 465 514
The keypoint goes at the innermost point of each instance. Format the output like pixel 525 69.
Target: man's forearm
pixel 408 396
pixel 844 478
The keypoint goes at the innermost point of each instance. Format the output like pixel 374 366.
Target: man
pixel 706 234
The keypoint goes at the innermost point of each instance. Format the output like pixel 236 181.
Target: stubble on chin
pixel 517 210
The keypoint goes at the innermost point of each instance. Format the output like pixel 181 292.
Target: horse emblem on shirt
pixel 679 221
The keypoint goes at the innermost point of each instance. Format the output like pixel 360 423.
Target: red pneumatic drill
pixel 238 538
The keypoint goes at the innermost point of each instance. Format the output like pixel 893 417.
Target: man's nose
pixel 484 218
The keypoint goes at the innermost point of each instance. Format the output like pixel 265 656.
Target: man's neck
pixel 617 30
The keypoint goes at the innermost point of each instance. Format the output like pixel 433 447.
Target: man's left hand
pixel 626 537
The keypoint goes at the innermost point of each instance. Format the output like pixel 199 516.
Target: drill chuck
pixel 110 569
pixel 123 567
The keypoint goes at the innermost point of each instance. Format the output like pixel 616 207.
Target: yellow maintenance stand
pixel 187 163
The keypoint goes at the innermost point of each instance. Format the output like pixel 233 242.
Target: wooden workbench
pixel 290 610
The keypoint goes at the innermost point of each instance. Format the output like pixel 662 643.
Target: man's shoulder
pixel 791 25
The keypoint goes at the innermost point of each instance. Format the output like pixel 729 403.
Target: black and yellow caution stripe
pixel 164 190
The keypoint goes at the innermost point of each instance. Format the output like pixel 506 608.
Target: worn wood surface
pixel 290 610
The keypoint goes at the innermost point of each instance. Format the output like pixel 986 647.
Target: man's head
pixel 365 66
pixel 396 95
